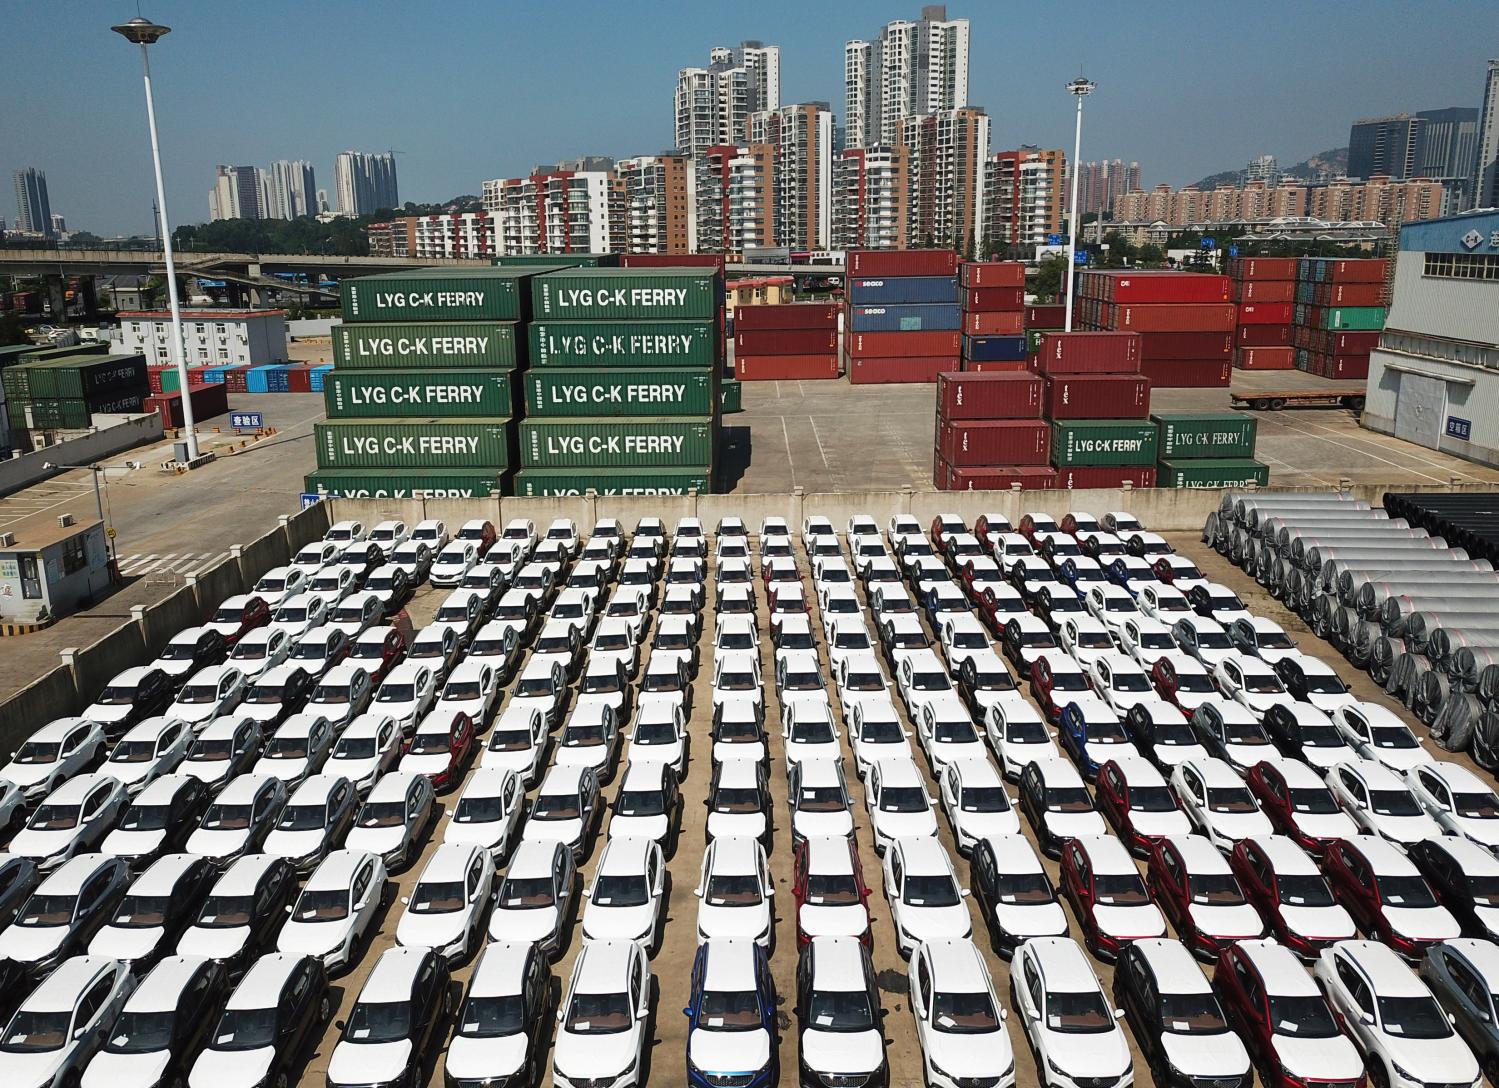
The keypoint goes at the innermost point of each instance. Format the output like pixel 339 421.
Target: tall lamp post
pixel 143 33
pixel 1080 88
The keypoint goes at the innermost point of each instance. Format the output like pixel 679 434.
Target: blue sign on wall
pixel 247 421
pixel 1080 257
pixel 310 499
pixel 1233 251
pixel 1053 239
pixel 1210 243
pixel 1459 428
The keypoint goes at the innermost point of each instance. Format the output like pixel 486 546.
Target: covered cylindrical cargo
pixel 884 290
pixel 418 443
pixel 663 480
pixel 438 294
pixel 666 391
pixel 1416 627
pixel 1345 576
pixel 626 294
pixel 400 394
pixel 965 443
pixel 1467 662
pixel 1089 353
pixel 394 483
pixel 1102 442
pixel 481 344
pixel 1271 527
pixel 1245 507
pixel 1475 585
pixel 1316 557
pixel 1297 543
pixel 616 443
pixel 1212 472
pixel 611 343
pixel 1205 434
pixel 989 396
pixel 1097 396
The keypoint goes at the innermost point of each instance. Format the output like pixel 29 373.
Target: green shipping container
pixel 75 377
pixel 387 483
pixel 439 294
pixel 731 396
pixel 616 443
pixel 37 354
pixel 1212 472
pixel 395 394
pixel 627 294
pixel 673 480
pixel 1077 442
pixel 558 260
pixel 1351 318
pixel 413 444
pixel 487 344
pixel 662 392
pixel 610 343
pixel 1205 434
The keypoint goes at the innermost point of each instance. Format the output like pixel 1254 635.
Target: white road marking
pixel 791 464
pixel 1355 449
pixel 817 436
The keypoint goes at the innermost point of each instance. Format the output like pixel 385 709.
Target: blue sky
pixel 470 89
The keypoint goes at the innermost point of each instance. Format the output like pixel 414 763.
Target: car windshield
pixel 1120 889
pixel 1213 640
pixel 291 614
pixel 733 890
pixel 930 681
pixel 430 743
pixel 1244 733
pixel 1304 1016
pixel 1263 683
pixel 226 911
pixel 382 814
pixel 1325 685
pixel 821 799
pixel 1067 680
pixel 463 689
pixel 1192 1014
pixel 1068 799
pixel 492 1017
pixel 1393 736
pixel 813 731
pixel 222 817
pixel 211 750
pixel 437 897
pixel 36 752
pixel 1406 890
pixel 930 890
pixel 309 651
pixel 292 747
pixel 380 583
pixel 730 800
pixel 248 651
pixel 832 890
pixel 1215 889
pixel 332 694
pixel 1026 732
pixel 479 809
pixel 267 694
pixel 1303 890
pixel 584 735
pixel 1273 640
pixel 1230 799
pixel 1078 1013
pixel 993 680
pixel 245 1029
pixel 1131 681
pixel 629 890
pixel 141 1032
pixel 640 803
pixel 1313 801
pixel 955 731
pixel 737 681
pixel 113 696
pixel 1394 803
pixel 396 693
pixel 198 693
pixel 864 681
pixel 180 651
pixel 1476 805
pixel 1322 736
pixel 1151 799
pixel 1173 732
pixel 322 905
pixel 1155 640
pixel 1106 732
pixel 736 730
pixel 526 892
pixel 1194 682
pixel 881 731
pixel 984 799
pixel 1094 640
pixel 428 648
pixel 599 1014
pixel 903 799
pixel 649 733
pixel 142 911
pixel 851 640
pixel 34 1031
pixel 841 1011
pixel 536 687
pixel 303 818
pixel 1022 888
pixel 133 751
pixel 556 806
pixel 355 748
pixel 1413 1018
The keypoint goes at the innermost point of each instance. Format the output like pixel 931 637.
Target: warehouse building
pixel 1434 378
pixel 210 337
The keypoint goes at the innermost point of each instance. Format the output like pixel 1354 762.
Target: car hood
pixel 971 1056
pixel 1019 755
pixel 1328 703
pixel 728 1051
pixel 723 752
pixel 288 770
pixel 517 924
pixel 1075 825
pixel 1191 700
pixel 1399 760
pixel 357 1063
pixel 900 825
pixel 313 938
pixel 1327 923
pixel 126 1070
pixel 120 943
pixel 432 930
pixel 843 921
pixel 843 1051
pixel 193 713
pixel 935 923
pixel 213 944
pixel 1441 1061
pixel 586 1057
pixel 566 832
pixel 1319 1059
pixel 1218 1055
pixel 616 923
pixel 486 835
pixel 477 1059
pixel 1143 921
pixel 733 921
pixel 751 824
pixel 28 944
pixel 26 775
pixel 1105 1054
pixel 40 845
pixel 107 713
pixel 1425 924
pixel 1239 825
pixel 1399 828
pixel 231 1068
pixel 1326 825
pixel 216 844
pixel 1158 824
pixel 1169 755
pixel 595 755
pixel 377 840
pixel 131 774
pixel 812 824
pixel 1031 919
pixel 1481 831
pixel 293 844
pixel 1229 923
pixel 34 1070
pixel 639 827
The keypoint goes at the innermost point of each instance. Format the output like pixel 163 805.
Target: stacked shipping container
pixel 796 341
pixel 993 299
pixel 903 321
pixel 1264 292
pixel 989 432
pixel 1185 321
pixel 1207 449
pixel 1340 310
pixel 1039 319
pixel 61 392
pixel 1097 401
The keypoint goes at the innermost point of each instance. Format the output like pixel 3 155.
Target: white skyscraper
pixel 365 183
pixel 236 193
pixel 292 190
pixel 712 104
pixel 913 68
pixel 1486 180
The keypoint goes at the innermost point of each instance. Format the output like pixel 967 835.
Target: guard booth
pixel 50 567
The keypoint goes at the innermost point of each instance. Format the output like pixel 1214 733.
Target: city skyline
pixel 1181 128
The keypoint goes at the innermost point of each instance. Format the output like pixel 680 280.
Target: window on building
pixel 74 556
pixel 1463 266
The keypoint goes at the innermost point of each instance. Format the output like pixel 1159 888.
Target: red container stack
pixel 1264 290
pixel 902 322
pixel 992 295
pixel 989 432
pixel 1337 303
pixel 1186 321
pixel 795 341
pixel 208 401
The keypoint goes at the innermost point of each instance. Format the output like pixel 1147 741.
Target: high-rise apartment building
pixel 660 203
pixel 1447 150
pixel 1383 145
pixel 712 104
pixel 947 151
pixel 736 198
pixel 365 183
pixel 1100 184
pixel 292 191
pixel 912 68
pixel 557 211
pixel 1384 200
pixel 871 198
pixel 59 224
pixel 453 234
pixel 1486 171
pixel 1023 197
pixel 802 136
pixel 33 209
pixel 237 193
pixel 395 238
pixel 1264 168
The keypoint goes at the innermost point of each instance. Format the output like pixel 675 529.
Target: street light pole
pixel 1080 88
pixel 143 32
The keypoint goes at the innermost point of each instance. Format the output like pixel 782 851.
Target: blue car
pixel 731 1017
pixel 1077 571
pixel 1118 572
pixel 1086 724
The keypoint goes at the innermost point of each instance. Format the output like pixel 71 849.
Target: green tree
pixel 1051 275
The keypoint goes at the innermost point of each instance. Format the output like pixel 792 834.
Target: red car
pixel 480 532
pixel 1137 801
pixel 996 604
pixel 987 528
pixel 943 526
pixel 1299 804
pixel 1079 521
pixel 1387 896
pixel 1198 893
pixel 1259 984
pixel 1111 902
pixel 1032 524
pixel 1287 888
pixel 1182 682
pixel 1171 568
pixel 240 615
pixel 440 751
pixel 1055 680
pixel 831 896
pixel 380 649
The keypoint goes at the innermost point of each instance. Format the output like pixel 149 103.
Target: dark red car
pixel 1198 893
pixel 1098 873
pixel 441 753
pixel 1369 875
pixel 1289 891
pixel 238 616
pixel 943 526
pixel 1077 521
pixel 1299 804
pixel 1169 568
pixel 1055 681
pixel 380 649
pixel 1137 801
pixel 1031 524
pixel 831 896
pixel 996 604
pixel 480 532
pixel 987 528
pixel 1185 684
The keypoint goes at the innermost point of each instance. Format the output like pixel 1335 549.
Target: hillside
pixel 1331 163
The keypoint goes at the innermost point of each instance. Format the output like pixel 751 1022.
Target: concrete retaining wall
pixel 51 695
pixel 23 471
pixel 302 528
pixel 162 620
pixel 98 664
pixel 259 556
pixel 213 586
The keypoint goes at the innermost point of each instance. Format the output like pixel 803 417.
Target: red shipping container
pixel 1051 316
pixel 299 380
pixel 902 262
pixel 1184 345
pixel 1106 476
pixel 1089 353
pixel 991 274
pixel 990 396
pixel 991 299
pixel 1349 343
pixel 764 368
pixel 963 442
pixel 1135 286
pixel 999 366
pixel 1264 290
pixel 208 401
pixel 797 315
pixel 901 345
pixel 1098 396
pixel 1264 268
pixel 1172 317
pixel 921 371
pixel 1029 477
pixel 994 323
pixel 1265 358
pixel 1345 367
pixel 1188 373
pixel 1349 294
pixel 1272 313
pixel 1261 336
pixel 1360 270
pixel 236 380
pixel 786 341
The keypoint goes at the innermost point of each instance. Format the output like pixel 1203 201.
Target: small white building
pixel 1434 378
pixel 210 337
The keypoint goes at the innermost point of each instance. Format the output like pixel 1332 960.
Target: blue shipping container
pixel 869 291
pixel 318 377
pixel 995 349
pixel 260 378
pixel 919 318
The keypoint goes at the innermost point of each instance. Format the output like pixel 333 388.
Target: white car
pixel 925 896
pixel 407 693
pixel 1461 802
pixel 341 695
pixel 1218 803
pixel 1303 899
pixel 648 805
pixel 1163 603
pixel 738 800
pixel 1218 912
pixel 920 678
pixel 149 750
pixel 432 533
pixel 1407 1040
pixel 488 812
pixel 615 639
pixel 960 1021
pixel 1117 900
pixel 260 650
pixel 1191 684
pixel 1380 802
pixel 1232 733
pixel 1325 689
pixel 1317 741
pixel 1111 606
pixel 240 1051
pixel 452 562
pixel 1019 735
pixel 356 613
pixel 841 1040
pixel 626 900
pixel 946 733
pixel 438 647
pixel 314 821
pixel 1120 682
pixel 808 730
pixel 859 678
pixel 72 819
pixel 1070 1025
pixel 447 906
pixel 345 532
pixel 389 534
pixel 518 743
pixel 211 693
pixel 659 735
pixel 567 809
pixel 1316 818
pixel 1018 895
pixel 332 585
pixel 962 636
pixel 297 749
pixel 224 926
pixel 1163 733
pixel 367 748
pixel 591 738
pixel 239 818
pixel 280 583
pixel 473 688
pixel 734 891
pixel 493 1036
pixel 1378 734
pixel 224 750
pixel 1148 809
pixel 64 1022
pixel 875 732
pixel 537 897
pixel 1145 639
pixel 1084 639
pixel 498 644
pixel 1263 638
pixel 337 908
pixel 1250 682
pixel 976 802
pixel 300 614
pixel 1202 638
pixel 602 1031
pixel 462 612
pixel 818 799
pixel 415 558
pixel 898 803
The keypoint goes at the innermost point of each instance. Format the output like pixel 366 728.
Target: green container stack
pixel 623 395
pixel 61 392
pixel 1207 450
pixel 1101 443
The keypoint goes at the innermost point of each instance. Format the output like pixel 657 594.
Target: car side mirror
pixel 966 892
pixel 339 1024
pixel 1366 1017
pixel 587 893
pixel 406 900
pixel 288 908
pixel 1118 1014
pixel 686 1011
pixel 561 1013
pixel 1004 1013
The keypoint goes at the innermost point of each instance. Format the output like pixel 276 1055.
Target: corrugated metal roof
pixel 1471 232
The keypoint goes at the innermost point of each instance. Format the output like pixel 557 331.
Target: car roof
pixel 212 673
pixel 532 858
pixel 624 855
pixel 1376 776
pixel 1199 854
pixel 1379 716
pixel 1472 858
pixel 449 862
pixel 976 771
pixel 486 781
pixel 1297 774
pixel 1064 968
pixel 160 990
pixel 645 776
pixel 163 789
pixel 819 772
pixel 1056 771
pixel 338 868
pixel 344 672
pixel 392 786
pixel 729 964
pixel 740 659
pixel 1107 854
pixel 738 774
pixel 829 854
pixel 77 788
pixel 1174 968
pixel 562 777
pixel 837 963
pixel 243 874
pixel 539 666
pixel 299 725
pixel 1456 776
pixel 161 877
pixel 1214 771
pixel 367 724
pixel 1284 855
pixel 923 854
pixel 500 970
pixel 1383 967
pixel 1383 856
pixel 1483 955
pixel 734 854
pixel 262 984
pixel 899 771
pixel 469 669
pixel 60 990
pixel 1138 771
pixel 603 966
pixel 315 789
pixel 1014 854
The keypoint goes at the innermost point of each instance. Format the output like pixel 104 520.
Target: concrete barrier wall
pixel 51 695
pixel 305 526
pixel 98 664
pixel 164 619
pixel 213 586
pixel 259 556
pixel 23 471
